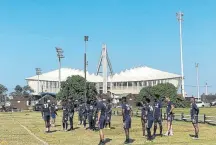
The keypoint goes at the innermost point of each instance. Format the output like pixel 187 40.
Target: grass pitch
pixel 12 133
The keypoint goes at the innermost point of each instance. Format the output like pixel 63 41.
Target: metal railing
pixel 202 118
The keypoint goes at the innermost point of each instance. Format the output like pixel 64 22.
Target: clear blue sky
pixel 138 32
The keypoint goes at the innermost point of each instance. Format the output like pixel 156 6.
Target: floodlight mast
pixel 60 56
pixel 85 66
pixel 197 75
pixel 179 16
pixel 38 73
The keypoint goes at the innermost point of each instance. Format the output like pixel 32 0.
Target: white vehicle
pixel 202 104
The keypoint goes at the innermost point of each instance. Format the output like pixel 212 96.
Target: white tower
pixel 105 62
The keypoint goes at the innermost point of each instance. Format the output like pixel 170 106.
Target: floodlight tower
pixel 85 65
pixel 197 74
pixel 60 56
pixel 38 73
pixel 180 19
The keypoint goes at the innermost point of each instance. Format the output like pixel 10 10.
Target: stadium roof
pixel 134 74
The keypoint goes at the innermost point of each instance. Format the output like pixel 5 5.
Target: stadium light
pixel 60 56
pixel 197 75
pixel 179 16
pixel 38 73
pixel 85 65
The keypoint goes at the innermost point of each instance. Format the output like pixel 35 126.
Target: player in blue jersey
pixel 45 111
pixel 142 106
pixel 90 114
pixel 150 118
pixel 101 108
pixel 65 116
pixel 70 108
pixel 108 114
pixel 53 114
pixel 80 113
pixel 194 117
pixel 169 113
pixel 157 115
pixel 126 113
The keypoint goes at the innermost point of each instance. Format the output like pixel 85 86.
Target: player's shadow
pixel 75 128
pixel 131 140
pixel 52 131
pixel 112 128
pixel 191 135
pixel 107 140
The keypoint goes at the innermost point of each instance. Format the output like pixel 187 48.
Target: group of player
pixel 99 114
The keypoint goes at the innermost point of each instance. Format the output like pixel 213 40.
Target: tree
pixel 22 91
pixel 3 91
pixel 74 87
pixel 163 90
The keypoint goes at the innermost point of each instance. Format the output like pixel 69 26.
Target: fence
pixel 178 117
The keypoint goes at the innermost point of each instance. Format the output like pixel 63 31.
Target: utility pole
pixel 38 73
pixel 60 56
pixel 197 74
pixel 180 19
pixel 206 89
pixel 85 65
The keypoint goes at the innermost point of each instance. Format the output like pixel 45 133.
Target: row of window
pixel 49 84
pixel 137 83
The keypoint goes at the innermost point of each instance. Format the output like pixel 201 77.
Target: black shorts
pixel 47 118
pixel 195 120
pixel 157 120
pixel 64 119
pixel 149 123
pixel 169 118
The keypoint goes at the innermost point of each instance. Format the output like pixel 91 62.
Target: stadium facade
pixel 128 81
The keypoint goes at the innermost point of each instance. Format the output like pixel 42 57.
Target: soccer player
pixel 45 111
pixel 80 112
pixel 126 113
pixel 65 116
pixel 101 107
pixel 143 117
pixel 53 114
pixel 70 108
pixel 150 118
pixel 84 114
pixel 90 114
pixel 157 115
pixel 169 113
pixel 108 113
pixel 194 117
pixel 95 113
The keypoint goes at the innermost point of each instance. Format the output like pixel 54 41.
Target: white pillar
pixel 104 69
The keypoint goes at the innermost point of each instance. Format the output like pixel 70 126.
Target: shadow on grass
pixel 51 131
pixel 107 140
pixel 75 128
pixel 191 135
pixel 57 125
pixel 131 140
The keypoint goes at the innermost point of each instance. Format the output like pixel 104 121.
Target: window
pixel 125 84
pixel 129 84
pixel 145 83
pixel 139 83
pixel 47 85
pixel 55 85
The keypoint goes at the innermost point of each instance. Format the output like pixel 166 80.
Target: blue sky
pixel 138 32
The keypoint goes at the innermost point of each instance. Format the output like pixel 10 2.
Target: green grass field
pixel 12 133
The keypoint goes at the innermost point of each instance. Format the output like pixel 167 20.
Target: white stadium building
pixel 128 81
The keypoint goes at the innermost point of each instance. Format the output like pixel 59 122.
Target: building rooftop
pixel 134 74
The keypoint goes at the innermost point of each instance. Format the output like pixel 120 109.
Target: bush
pixel 163 90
